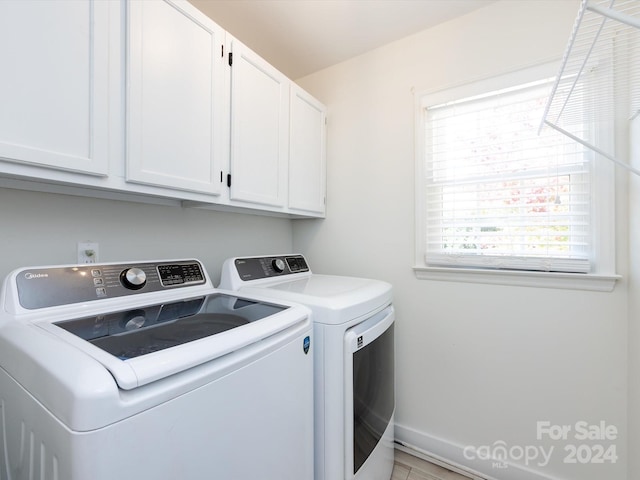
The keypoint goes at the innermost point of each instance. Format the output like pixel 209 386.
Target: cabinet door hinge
pixel 230 58
pixel 229 180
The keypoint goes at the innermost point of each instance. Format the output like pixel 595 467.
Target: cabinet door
pixel 175 101
pixel 259 129
pixel 307 154
pixel 54 86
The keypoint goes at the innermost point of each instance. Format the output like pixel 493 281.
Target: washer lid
pixel 332 299
pixel 145 344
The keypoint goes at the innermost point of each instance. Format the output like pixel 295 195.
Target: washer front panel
pixel 53 286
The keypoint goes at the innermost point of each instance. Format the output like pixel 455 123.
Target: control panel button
pixel 133 278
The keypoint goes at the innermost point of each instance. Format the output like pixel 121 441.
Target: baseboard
pixel 451 456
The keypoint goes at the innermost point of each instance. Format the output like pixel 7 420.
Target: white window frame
pixel 602 276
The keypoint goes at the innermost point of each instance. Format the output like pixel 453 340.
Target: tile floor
pixel 408 467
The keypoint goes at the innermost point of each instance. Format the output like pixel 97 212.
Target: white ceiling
pixel 300 37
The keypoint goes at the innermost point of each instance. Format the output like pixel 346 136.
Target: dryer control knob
pixel 278 265
pixel 133 278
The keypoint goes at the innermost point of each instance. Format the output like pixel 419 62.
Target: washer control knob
pixel 133 278
pixel 278 265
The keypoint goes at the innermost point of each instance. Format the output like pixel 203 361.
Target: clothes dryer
pixel 354 395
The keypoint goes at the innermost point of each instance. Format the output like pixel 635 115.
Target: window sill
pixel 571 281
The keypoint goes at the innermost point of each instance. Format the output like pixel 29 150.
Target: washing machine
pixel 145 371
pixel 353 322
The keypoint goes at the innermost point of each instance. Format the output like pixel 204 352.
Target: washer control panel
pixel 53 286
pixel 255 268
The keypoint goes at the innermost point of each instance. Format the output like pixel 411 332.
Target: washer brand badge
pixel 31 276
pixel 306 343
pixel 360 341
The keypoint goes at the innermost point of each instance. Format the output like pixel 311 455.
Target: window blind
pixel 498 195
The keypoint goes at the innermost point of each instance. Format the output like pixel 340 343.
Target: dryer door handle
pixel 366 332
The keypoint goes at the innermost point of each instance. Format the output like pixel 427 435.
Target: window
pixel 496 195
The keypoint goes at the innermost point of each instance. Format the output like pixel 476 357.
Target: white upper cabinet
pixel 259 129
pixel 176 106
pixel 54 86
pixel 150 100
pixel 307 155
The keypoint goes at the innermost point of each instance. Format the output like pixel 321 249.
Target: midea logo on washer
pixel 31 276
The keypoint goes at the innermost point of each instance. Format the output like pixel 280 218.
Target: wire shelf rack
pixel 599 79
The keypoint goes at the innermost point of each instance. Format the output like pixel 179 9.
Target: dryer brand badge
pixel 306 343
pixel 31 276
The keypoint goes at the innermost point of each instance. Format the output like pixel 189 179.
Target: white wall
pixel 476 364
pixel 43 229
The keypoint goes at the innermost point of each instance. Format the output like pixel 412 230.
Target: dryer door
pixel 369 394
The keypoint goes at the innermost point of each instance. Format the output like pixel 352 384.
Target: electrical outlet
pixel 88 252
